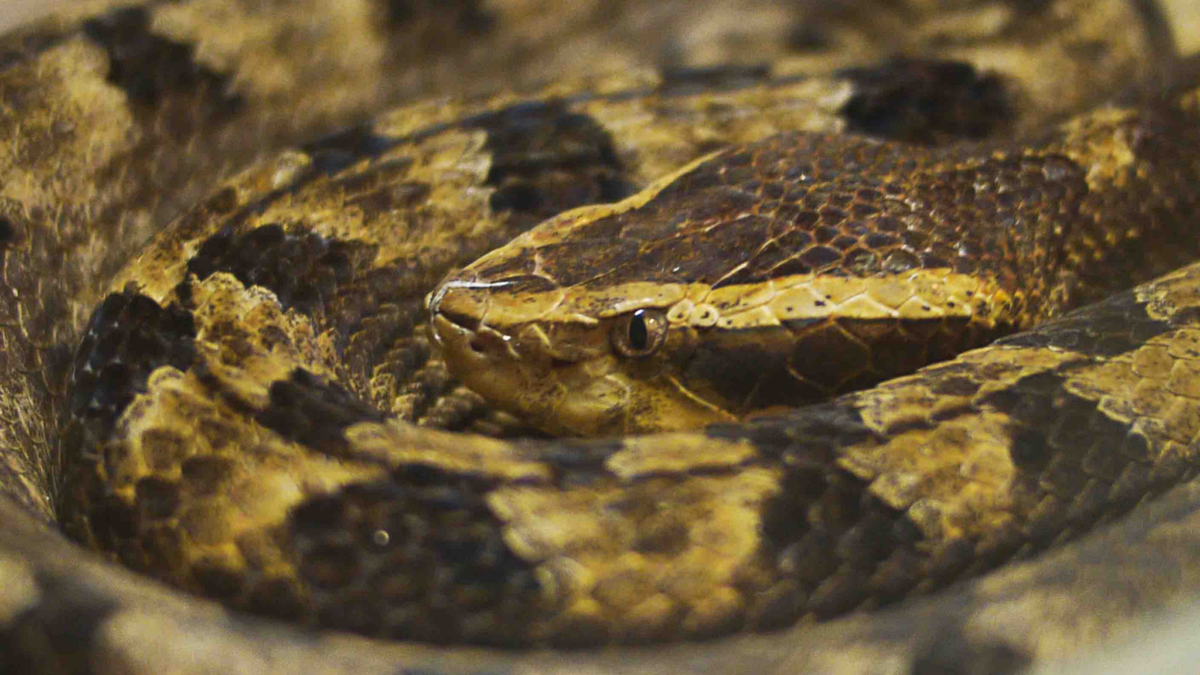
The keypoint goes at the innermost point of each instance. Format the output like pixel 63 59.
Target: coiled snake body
pixel 250 413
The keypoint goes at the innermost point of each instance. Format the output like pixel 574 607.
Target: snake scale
pixel 253 405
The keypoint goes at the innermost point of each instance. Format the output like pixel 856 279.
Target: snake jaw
pixel 558 395
pixel 523 367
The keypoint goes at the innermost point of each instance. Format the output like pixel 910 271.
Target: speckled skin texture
pixel 460 178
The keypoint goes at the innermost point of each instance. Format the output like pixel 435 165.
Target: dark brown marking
pixel 207 474
pixel 302 268
pixel 431 543
pixel 223 202
pixel 309 410
pixel 810 439
pixel 840 546
pixel 387 198
pixel 217 582
pixel 152 69
pixel 730 372
pixel 62 632
pixel 926 101
pixel 128 337
pixel 1105 329
pixel 8 233
pixel 157 499
pixel 683 80
pixel 459 17
pixel 26 45
pixel 547 159
pixel 1068 451
pixel 336 151
pixel 955 651
pixel 277 598
pixel 808 36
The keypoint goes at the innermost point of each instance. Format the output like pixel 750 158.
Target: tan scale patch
pixel 71 79
pixel 1090 141
pixel 921 295
pixel 63 122
pixel 347 33
pixel 232 528
pixel 232 325
pixel 664 454
pixel 395 444
pixel 953 477
pixel 635 555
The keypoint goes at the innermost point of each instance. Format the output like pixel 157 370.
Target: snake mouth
pixel 463 321
pixel 463 338
pixel 516 372
pixel 469 327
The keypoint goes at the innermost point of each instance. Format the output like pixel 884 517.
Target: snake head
pixel 525 343
pixel 748 281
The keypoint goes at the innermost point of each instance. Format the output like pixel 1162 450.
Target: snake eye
pixel 639 333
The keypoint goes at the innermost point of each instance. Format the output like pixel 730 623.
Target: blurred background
pixel 1185 16
pixel 13 12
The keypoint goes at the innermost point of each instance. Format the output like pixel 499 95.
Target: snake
pixel 345 383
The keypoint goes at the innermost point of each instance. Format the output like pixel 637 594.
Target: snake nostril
pixel 477 346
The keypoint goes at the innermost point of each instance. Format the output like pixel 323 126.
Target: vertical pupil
pixel 638 339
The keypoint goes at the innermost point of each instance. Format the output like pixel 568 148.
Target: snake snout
pixel 455 313
pixel 454 317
